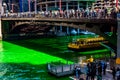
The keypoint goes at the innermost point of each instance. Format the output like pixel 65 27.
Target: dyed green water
pixel 27 59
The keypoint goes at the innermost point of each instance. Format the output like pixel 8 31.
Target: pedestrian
pixel 104 68
pixel 113 72
pixel 93 70
pixel 77 72
pixel 99 71
pixel 118 73
pixel 88 71
pixel 99 68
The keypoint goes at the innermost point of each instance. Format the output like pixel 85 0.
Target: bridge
pixel 98 26
pixel 72 22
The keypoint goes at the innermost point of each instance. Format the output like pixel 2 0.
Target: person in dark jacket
pixel 88 71
pixel 113 72
pixel 99 70
pixel 93 70
pixel 118 73
pixel 104 68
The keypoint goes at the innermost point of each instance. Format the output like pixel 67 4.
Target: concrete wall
pixel 0 18
pixel 0 30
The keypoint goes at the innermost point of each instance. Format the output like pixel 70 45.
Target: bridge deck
pixel 73 20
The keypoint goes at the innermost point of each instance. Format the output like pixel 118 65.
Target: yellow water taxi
pixel 86 43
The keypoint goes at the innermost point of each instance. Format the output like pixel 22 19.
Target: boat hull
pixel 86 49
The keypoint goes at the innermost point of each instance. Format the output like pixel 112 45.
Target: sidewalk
pixel 108 76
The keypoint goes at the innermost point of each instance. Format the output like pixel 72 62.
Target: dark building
pixel 19 5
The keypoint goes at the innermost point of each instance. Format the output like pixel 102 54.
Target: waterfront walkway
pixel 107 76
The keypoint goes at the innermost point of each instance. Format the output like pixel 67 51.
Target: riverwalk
pixel 107 76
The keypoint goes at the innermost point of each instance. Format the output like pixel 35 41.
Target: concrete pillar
pixel 118 43
pixel 67 30
pixel 86 4
pixel 29 6
pixel 0 6
pixel 9 5
pixel 60 6
pixel 78 5
pixel 55 4
pixel 0 19
pixel 60 28
pixel 40 7
pixel 67 6
pixel 55 30
pixel 35 7
pixel 46 7
pixel 78 30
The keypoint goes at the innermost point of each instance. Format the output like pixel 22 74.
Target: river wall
pixel 0 30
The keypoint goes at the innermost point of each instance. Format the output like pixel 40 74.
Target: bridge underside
pixel 16 28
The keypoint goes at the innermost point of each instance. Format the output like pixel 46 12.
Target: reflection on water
pixel 27 59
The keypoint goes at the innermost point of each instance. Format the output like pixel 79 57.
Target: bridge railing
pixel 64 14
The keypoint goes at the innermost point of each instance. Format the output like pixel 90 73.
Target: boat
pixel 86 43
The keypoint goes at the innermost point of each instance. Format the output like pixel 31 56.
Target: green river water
pixel 27 59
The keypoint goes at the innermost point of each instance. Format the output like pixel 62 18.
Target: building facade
pixel 63 4
pixel 45 5
pixel 18 5
pixel 106 4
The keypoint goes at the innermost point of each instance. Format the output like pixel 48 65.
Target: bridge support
pixel 67 8
pixel 55 30
pixel 68 31
pixel 118 43
pixel 60 28
pixel 78 30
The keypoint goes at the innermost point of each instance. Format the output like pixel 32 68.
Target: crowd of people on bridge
pixel 80 13
pixel 83 13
